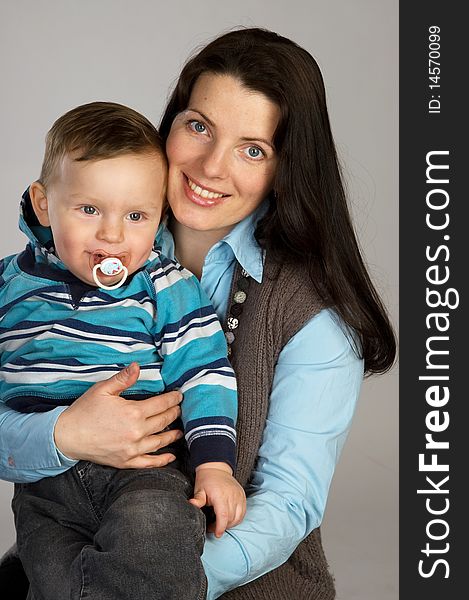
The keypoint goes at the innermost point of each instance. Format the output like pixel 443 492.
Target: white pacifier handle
pixel 110 266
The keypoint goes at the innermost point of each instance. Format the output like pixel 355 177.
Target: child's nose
pixel 111 231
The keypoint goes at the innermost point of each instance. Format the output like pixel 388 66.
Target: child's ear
pixel 37 193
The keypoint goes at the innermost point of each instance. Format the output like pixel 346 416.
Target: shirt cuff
pixel 63 461
pixel 27 448
pixel 211 439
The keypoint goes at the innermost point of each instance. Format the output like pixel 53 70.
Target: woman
pixel 258 213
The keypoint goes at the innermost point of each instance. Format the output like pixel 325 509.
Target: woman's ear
pixel 37 193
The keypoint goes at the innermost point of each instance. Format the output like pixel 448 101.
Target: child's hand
pixel 215 486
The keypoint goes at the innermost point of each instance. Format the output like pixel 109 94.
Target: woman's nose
pixel 215 162
pixel 111 231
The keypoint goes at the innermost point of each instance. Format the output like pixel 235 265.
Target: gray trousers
pixel 101 533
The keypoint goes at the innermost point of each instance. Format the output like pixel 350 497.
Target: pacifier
pixel 110 266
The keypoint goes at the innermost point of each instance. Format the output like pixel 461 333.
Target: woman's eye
pixel 197 126
pixel 135 216
pixel 88 210
pixel 254 152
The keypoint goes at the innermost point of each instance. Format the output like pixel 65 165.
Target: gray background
pixel 57 54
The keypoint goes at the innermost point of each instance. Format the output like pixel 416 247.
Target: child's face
pixel 109 207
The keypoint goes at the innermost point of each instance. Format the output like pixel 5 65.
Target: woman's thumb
pixel 122 380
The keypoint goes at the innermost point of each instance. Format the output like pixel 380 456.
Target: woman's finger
pixel 156 405
pixel 149 461
pixel 155 442
pixel 160 422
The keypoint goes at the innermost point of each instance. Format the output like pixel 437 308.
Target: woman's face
pixel 221 156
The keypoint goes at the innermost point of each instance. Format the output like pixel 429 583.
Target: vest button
pixel 239 297
pixel 232 323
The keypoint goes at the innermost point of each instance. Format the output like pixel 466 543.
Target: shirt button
pixel 11 461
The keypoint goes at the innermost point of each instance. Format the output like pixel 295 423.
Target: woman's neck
pixel 192 246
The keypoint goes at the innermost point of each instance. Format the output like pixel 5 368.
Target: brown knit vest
pixel 273 312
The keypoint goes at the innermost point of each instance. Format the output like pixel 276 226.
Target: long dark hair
pixel 308 220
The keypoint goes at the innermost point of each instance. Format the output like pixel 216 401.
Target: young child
pixel 90 295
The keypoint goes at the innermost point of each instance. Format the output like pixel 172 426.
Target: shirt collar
pixel 240 241
pixel 243 243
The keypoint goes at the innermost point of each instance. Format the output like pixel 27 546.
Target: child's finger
pixel 221 524
pixel 199 499
pixel 239 515
pixel 211 527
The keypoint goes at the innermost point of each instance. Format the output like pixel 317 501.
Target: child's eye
pixel 88 210
pixel 135 216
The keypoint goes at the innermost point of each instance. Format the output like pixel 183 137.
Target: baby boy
pixel 90 295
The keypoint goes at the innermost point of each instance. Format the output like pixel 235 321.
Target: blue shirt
pixel 316 383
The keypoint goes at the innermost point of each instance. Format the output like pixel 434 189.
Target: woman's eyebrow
pixel 258 139
pixel 209 121
pixel 244 139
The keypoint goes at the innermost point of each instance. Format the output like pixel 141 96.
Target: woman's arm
pixel 27 449
pixel 100 426
pixel 316 385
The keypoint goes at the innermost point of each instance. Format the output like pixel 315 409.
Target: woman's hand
pixel 104 428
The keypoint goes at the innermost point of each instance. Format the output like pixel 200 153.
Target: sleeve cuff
pixel 63 461
pixel 27 449
pixel 212 439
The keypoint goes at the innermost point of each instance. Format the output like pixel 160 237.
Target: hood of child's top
pixel 30 226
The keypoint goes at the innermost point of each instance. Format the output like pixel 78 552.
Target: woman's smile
pixel 201 194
